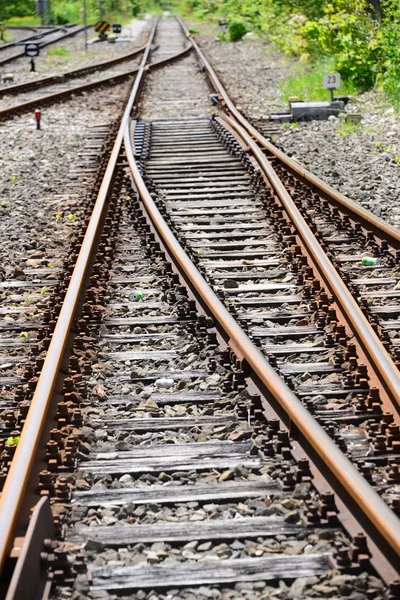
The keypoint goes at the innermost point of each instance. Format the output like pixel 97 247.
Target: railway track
pixel 11 52
pixel 214 412
pixel 76 82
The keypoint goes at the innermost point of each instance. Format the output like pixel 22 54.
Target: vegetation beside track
pixel 345 34
pixel 23 12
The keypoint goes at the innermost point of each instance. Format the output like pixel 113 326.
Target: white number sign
pixel 331 81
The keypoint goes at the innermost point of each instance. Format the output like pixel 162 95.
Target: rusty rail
pixel 18 476
pixel 69 34
pixel 79 89
pixel 54 79
pixel 376 352
pixel 370 505
pixel 371 221
pixel 373 347
pixel 372 509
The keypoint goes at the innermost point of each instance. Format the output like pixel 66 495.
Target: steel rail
pixel 21 465
pixel 53 79
pixel 44 44
pixel 25 39
pixel 79 89
pixel 384 365
pixel 382 362
pixel 370 504
pixel 378 225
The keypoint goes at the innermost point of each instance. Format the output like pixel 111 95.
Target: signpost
pixel 331 81
pixel 85 23
pixel 32 50
pixel 43 10
pixel 102 27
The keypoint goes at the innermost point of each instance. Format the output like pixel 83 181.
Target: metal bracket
pixel 28 580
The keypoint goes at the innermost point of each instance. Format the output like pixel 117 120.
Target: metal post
pixel 85 23
pixel 40 10
pixel 101 9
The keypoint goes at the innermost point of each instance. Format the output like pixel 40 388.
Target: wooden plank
pixel 16 283
pixel 167 494
pixel 202 397
pixel 126 338
pixel 250 275
pixel 185 531
pixel 163 423
pixel 12 360
pixel 375 281
pixel 209 449
pixel 216 204
pixel 381 294
pixel 225 227
pixel 269 301
pixel 317 367
pixel 16 343
pixel 284 331
pixel 145 355
pixel 278 317
pixel 151 375
pixel 239 264
pixel 226 235
pixel 187 574
pixel 229 246
pixel 175 463
pixel 293 349
pixel 143 321
pixel 134 281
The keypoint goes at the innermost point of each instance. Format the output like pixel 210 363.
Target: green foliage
pixel 28 21
pixel 58 51
pixel 16 8
pixel 23 12
pixel 346 128
pixel 347 33
pixel 10 441
pixel 340 34
pixel 305 81
pixel 388 77
pixel 236 30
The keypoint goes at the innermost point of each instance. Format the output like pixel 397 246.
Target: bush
pixel 236 30
pixel 343 33
pixel 17 8
pixel 347 33
pixel 58 19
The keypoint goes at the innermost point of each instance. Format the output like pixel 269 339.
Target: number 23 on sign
pixel 331 81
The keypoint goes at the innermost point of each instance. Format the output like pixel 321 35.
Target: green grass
pixel 305 81
pixel 30 21
pixel 7 37
pixel 346 128
pixel 58 51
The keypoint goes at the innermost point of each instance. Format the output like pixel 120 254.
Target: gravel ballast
pixel 69 54
pixel 37 173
